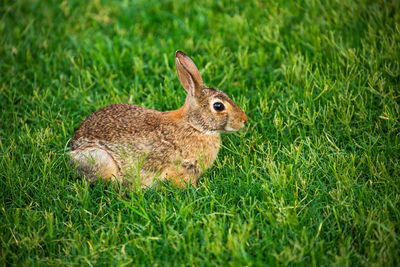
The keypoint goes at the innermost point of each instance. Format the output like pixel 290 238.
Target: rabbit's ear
pixel 188 74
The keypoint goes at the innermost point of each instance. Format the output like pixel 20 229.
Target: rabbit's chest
pixel 199 153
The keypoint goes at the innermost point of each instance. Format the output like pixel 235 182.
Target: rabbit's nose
pixel 244 118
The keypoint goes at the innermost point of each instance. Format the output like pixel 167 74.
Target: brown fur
pixel 133 144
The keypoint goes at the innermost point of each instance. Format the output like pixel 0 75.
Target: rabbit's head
pixel 209 110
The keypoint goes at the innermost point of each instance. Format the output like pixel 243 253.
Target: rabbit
pixel 128 143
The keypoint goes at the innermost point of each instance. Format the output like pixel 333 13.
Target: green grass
pixel 314 179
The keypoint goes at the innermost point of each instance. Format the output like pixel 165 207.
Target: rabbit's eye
pixel 218 106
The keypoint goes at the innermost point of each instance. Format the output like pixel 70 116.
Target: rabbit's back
pixel 119 123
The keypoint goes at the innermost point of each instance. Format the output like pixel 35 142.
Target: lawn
pixel 313 179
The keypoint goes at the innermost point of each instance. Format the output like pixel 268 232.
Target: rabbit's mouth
pixel 236 124
pixel 229 129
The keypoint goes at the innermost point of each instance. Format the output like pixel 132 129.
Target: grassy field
pixel 314 179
